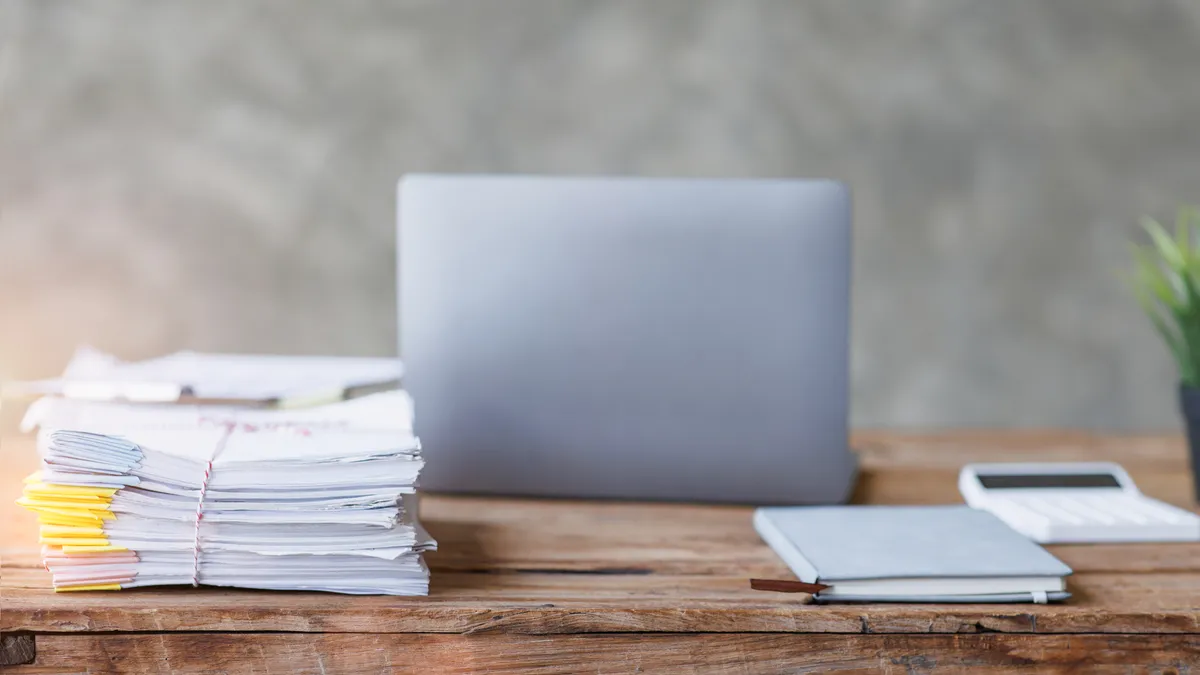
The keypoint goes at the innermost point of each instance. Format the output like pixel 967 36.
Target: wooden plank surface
pixel 692 653
pixel 551 567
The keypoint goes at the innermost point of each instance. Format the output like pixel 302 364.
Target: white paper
pixel 95 375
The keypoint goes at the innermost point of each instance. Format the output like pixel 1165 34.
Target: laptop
pixel 633 338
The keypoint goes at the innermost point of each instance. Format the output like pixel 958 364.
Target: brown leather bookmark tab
pixel 785 586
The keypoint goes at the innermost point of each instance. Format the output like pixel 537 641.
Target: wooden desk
pixel 620 587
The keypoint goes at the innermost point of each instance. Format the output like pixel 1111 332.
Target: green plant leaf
pixel 1168 250
pixel 1165 280
pixel 1183 226
pixel 1190 218
pixel 1169 335
pixel 1154 278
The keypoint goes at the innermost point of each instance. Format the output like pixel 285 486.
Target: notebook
pixel 911 554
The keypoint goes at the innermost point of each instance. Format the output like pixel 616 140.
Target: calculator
pixel 1075 502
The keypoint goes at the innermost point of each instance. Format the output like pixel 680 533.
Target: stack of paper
pixel 320 498
pixel 285 381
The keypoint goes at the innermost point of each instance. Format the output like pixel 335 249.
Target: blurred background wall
pixel 220 175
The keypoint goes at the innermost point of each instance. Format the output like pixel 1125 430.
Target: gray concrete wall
pixel 219 175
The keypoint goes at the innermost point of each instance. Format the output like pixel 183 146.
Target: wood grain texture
pixel 542 567
pixel 17 648
pixel 330 654
pixel 567 603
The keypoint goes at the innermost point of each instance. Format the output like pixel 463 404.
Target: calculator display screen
pixel 1062 480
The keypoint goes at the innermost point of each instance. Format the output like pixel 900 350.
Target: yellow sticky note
pixel 70 490
pixel 31 502
pixel 71 548
pixel 93 587
pixel 50 494
pixel 65 521
pixel 92 517
pixel 91 503
pixel 73 531
pixel 73 541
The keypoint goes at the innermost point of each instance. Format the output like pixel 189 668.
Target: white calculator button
pixel 1159 512
pixel 1086 511
pixel 1125 510
pixel 1153 512
pixel 1055 513
pixel 1114 508
pixel 1143 509
pixel 1011 510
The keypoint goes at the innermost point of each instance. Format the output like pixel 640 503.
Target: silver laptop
pixel 631 338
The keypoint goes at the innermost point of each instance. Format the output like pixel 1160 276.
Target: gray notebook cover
pixel 844 543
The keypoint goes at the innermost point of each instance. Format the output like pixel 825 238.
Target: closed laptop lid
pixel 634 338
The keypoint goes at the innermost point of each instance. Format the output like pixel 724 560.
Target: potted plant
pixel 1166 281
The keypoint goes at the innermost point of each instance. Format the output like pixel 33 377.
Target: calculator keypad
pixel 1097 512
pixel 1103 510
